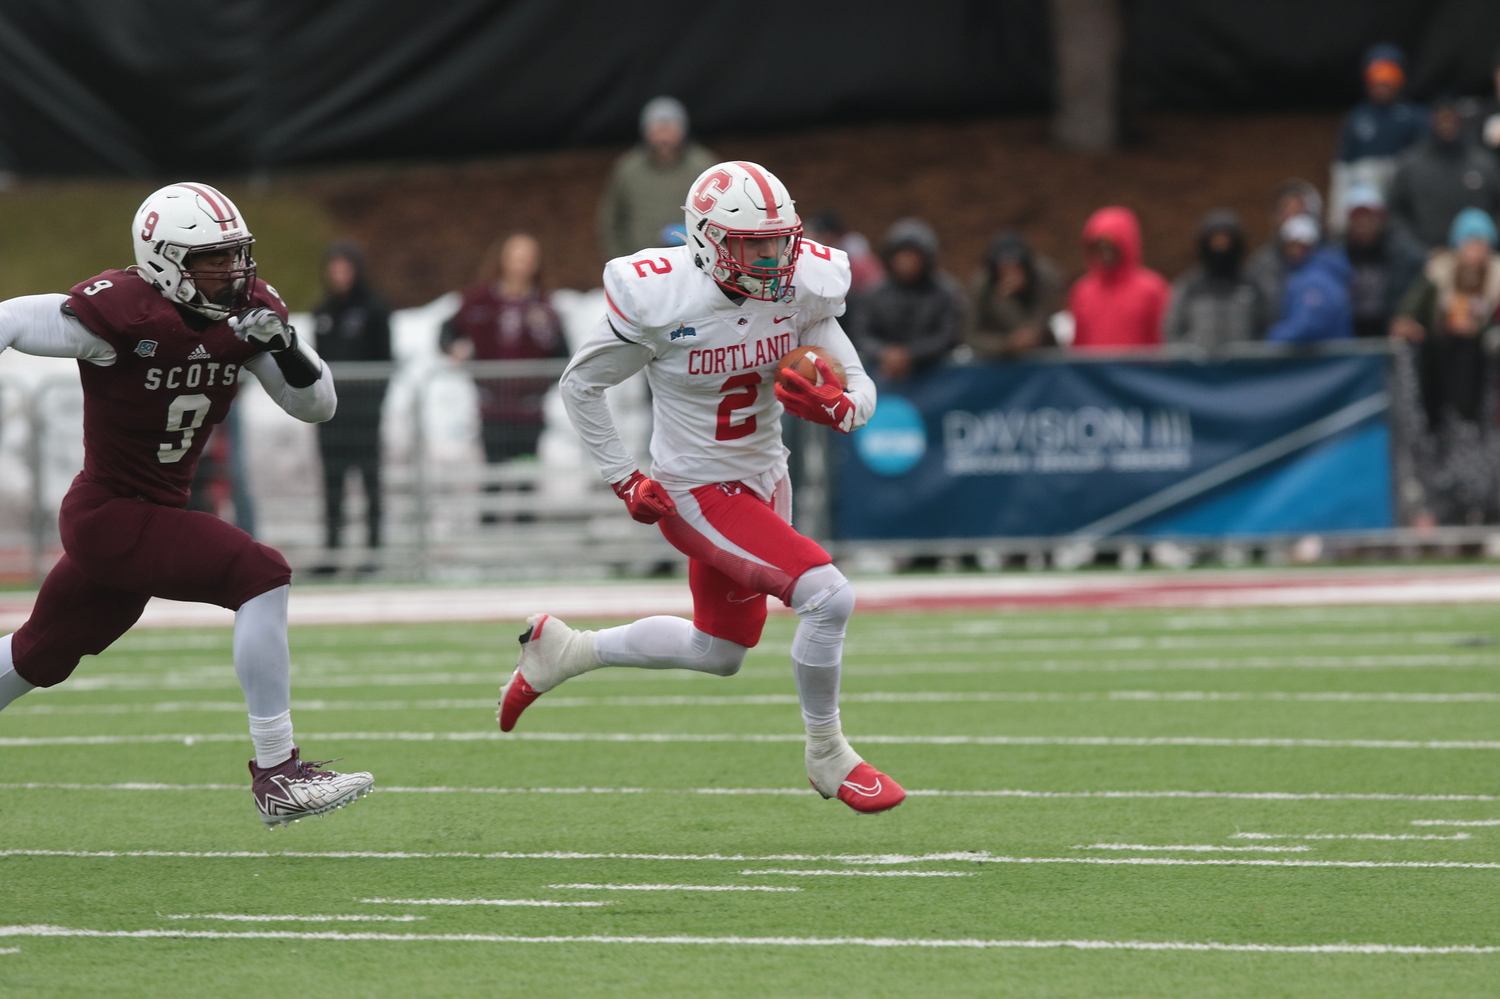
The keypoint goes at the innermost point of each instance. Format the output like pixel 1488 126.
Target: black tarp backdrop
pixel 156 87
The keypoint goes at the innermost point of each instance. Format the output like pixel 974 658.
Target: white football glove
pixel 265 328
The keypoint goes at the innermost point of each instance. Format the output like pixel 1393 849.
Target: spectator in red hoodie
pixel 1118 303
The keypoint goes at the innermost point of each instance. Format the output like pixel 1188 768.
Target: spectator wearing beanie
pixel 1011 299
pixel 1446 310
pixel 1267 266
pixel 1316 303
pixel 1215 303
pixel 1440 177
pixel 1482 117
pixel 649 183
pixel 914 318
pixel 1376 131
pixel 1119 302
pixel 1383 261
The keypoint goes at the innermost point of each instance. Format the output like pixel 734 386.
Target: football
pixel 800 360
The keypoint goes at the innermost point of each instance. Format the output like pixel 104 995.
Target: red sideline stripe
pixel 765 188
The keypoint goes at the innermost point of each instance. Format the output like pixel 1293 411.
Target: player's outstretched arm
pixel 36 324
pixel 603 361
pixel 311 403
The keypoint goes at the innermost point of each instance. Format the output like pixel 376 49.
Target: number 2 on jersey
pixel 728 430
pixel 185 415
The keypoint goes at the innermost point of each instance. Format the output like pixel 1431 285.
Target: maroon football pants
pixel 119 553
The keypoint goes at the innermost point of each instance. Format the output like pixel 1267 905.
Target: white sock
pixel 668 643
pixel 830 758
pixel 823 600
pixel 11 684
pixel 272 738
pixel 263 663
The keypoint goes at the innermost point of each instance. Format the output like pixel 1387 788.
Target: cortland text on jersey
pixel 738 357
pixel 147 416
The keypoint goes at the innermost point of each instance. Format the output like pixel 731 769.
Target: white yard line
pixel 757 700
pixel 1195 848
pixel 10 950
pixel 525 903
pixel 881 942
pixel 730 737
pixel 870 874
pixel 236 918
pixel 802 791
pixel 590 887
pixel 1373 836
pixel 1455 822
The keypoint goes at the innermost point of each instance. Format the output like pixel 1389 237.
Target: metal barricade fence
pixel 451 516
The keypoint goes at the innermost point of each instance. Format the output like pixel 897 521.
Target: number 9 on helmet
pixel 744 231
pixel 192 246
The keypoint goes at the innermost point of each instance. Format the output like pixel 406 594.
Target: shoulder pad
pixel 265 296
pixel 822 279
pixel 648 290
pixel 118 302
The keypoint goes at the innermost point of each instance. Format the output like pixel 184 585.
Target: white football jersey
pixel 712 371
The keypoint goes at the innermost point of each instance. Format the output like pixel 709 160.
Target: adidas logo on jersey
pixel 199 354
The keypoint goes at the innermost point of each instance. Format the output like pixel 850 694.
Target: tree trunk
pixel 1089 38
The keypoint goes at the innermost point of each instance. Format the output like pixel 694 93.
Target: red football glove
pixel 826 403
pixel 647 501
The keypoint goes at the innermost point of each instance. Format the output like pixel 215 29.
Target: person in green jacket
pixel 649 183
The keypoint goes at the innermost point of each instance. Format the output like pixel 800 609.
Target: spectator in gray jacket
pixel 649 184
pixel 914 318
pixel 1440 177
pixel 1215 303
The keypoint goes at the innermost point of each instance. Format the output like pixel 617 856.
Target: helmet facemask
pixel 238 276
pixel 758 265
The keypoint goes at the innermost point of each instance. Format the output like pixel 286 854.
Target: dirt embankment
pixel 426 226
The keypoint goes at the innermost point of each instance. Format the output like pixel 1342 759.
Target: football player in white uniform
pixel 708 321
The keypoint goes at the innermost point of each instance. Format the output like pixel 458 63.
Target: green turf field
pixel 1239 787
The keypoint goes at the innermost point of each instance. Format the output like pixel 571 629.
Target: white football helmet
pixel 735 202
pixel 182 219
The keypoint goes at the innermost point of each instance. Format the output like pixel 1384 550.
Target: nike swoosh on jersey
pixel 782 319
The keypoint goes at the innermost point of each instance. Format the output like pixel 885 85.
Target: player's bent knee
pixel 718 656
pixel 823 593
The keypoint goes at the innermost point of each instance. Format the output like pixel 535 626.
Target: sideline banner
pixel 1094 448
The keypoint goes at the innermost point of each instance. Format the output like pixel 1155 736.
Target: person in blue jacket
pixel 1316 303
pixel 1383 124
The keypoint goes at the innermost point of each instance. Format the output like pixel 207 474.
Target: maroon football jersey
pixel 147 417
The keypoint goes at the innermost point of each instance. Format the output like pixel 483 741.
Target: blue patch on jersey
pixel 146 348
pixel 682 331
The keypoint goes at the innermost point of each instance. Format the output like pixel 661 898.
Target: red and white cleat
pixel 551 652
pixel 868 790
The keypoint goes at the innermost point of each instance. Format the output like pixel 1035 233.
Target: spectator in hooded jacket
pixel 915 317
pixel 1011 300
pixel 353 324
pixel 1441 177
pixel 1316 303
pixel 647 185
pixel 1119 302
pixel 1445 311
pixel 1383 259
pixel 865 272
pixel 1268 266
pixel 1215 303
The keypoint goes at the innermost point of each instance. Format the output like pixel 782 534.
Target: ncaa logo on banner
pixel 894 440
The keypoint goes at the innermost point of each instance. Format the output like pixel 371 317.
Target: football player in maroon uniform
pixel 161 347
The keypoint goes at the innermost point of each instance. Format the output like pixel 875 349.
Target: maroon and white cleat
pixel 296 789
pixel 551 652
pixel 868 790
